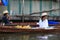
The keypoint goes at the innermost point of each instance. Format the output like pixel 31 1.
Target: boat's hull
pixel 19 30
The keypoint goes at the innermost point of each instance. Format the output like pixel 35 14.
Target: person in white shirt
pixel 43 22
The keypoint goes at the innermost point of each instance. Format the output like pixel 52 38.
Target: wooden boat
pixel 12 29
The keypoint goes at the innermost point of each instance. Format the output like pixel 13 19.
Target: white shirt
pixel 43 24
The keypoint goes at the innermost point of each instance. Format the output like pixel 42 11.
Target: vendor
pixel 6 18
pixel 43 22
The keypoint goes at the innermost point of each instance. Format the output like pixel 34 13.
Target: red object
pixel 1 3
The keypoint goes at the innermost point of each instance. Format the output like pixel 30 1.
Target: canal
pixel 10 36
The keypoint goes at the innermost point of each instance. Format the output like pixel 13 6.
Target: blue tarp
pixel 52 22
pixel 5 2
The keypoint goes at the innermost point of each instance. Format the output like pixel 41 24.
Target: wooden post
pixel 30 6
pixel 8 7
pixel 40 6
pixel 50 7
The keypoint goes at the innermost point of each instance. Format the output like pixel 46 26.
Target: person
pixel 43 22
pixel 6 18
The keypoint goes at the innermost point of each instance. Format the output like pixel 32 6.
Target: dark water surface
pixel 29 36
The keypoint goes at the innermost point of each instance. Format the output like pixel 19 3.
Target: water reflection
pixel 29 37
pixel 45 37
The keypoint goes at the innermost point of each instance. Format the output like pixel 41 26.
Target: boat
pixel 12 29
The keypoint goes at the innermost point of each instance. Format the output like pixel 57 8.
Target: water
pixel 29 36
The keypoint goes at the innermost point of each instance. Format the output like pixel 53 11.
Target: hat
pixel 44 14
pixel 5 12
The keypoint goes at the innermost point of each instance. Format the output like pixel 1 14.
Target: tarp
pixel 5 2
pixel 53 22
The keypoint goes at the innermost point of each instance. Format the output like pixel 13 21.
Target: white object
pixel 11 12
pixel 37 23
pixel 50 28
pixel 43 24
pixel 43 14
pixel 5 12
pixel 3 24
